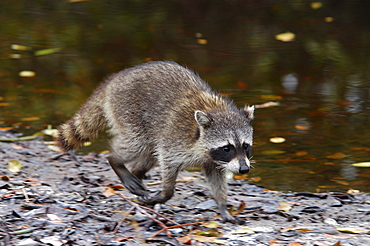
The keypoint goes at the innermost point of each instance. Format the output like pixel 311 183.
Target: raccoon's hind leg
pixel 140 169
pixel 129 180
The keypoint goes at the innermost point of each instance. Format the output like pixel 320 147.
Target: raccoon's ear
pixel 249 111
pixel 202 118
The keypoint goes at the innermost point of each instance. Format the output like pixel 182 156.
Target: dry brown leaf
pixel 338 155
pixel 301 153
pixel 352 230
pixel 108 192
pixel 302 127
pixel 293 228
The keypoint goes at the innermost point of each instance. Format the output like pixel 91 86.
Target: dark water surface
pixel 320 78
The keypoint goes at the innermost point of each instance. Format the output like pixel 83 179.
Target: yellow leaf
pixel 284 206
pixel 273 152
pixel 202 41
pixel 27 74
pixel 243 230
pixel 316 5
pixel 361 164
pixel 14 166
pixel 277 140
pixel 271 97
pixel 352 230
pixel 211 224
pixel 19 47
pixel 30 118
pixel 47 51
pixel 285 37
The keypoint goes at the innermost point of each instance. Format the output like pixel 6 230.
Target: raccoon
pixel 162 113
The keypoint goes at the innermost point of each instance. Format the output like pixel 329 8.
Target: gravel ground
pixel 55 200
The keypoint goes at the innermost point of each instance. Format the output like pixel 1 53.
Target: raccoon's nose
pixel 243 167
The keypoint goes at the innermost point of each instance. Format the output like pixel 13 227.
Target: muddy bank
pixel 55 200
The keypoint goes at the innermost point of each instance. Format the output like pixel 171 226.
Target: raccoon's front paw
pixel 226 217
pixel 160 198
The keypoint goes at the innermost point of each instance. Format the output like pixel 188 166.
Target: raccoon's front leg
pixel 169 175
pixel 218 185
pixel 130 181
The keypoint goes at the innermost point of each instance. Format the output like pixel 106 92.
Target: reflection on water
pixel 320 78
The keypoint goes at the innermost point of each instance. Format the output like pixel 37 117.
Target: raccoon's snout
pixel 243 167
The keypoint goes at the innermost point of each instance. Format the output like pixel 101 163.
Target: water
pixel 320 79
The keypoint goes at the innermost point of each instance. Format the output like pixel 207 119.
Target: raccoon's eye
pixel 226 148
pixel 247 149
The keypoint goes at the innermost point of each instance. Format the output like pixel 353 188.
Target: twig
pixel 161 215
pixel 175 226
pixel 123 219
pixel 142 210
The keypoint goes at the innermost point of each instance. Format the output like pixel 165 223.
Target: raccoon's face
pixel 228 137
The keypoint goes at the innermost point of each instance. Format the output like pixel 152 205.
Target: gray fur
pixel 162 113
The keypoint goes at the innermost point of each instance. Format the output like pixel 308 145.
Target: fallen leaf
pixel 4 104
pixel 53 217
pixel 185 239
pixel 17 146
pixel 284 206
pixel 239 209
pixel 30 118
pixel 14 166
pixel 108 192
pixel 243 230
pixel 302 127
pixel 242 85
pixel 296 244
pixel 47 51
pixel 285 37
pixel 350 191
pixel 352 230
pixel 27 74
pixel 55 148
pixel 5 178
pixel 293 228
pixel 360 148
pixel 256 179
pixel 267 105
pixel 338 155
pixel 202 41
pixel 361 164
pixel 240 176
pixel 316 5
pixel 19 47
pixel 301 153
pixel 50 131
pixel 211 224
pixel 271 97
pixel 32 180
pixel 6 128
pixel 273 152
pixel 277 140
pixel 341 182
pixel 209 233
